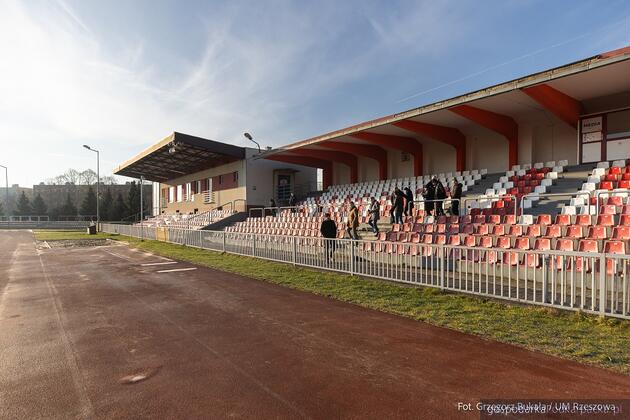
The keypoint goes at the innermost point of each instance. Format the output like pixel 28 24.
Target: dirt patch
pixel 74 243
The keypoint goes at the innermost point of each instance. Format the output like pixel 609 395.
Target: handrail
pixel 552 195
pixel 597 193
pixel 491 197
pixel 442 200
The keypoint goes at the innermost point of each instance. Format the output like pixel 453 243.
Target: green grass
pixel 594 340
pixel 57 235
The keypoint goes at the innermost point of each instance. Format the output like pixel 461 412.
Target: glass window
pixel 618 125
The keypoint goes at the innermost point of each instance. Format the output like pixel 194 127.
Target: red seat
pixel 621 233
pixel 624 183
pixel 494 219
pixel 479 219
pixel 563 219
pixel 534 231
pixel 415 238
pixel 465 220
pixel 509 219
pixel 614 201
pixel 610 177
pixel 606 220
pixel 553 231
pixel 453 220
pixel 543 219
pixel 515 230
pixel 441 220
pixel 606 185
pixel 418 228
pixel 482 229
pixel 535 260
pixel 597 232
pixel 453 229
pixel 624 220
pixel 395 227
pixel 615 170
pixel 440 228
pixel 440 239
pixel 468 229
pixel 574 231
pixel 583 219
pixel 608 209
pixel 625 209
pixel 454 240
pixel 588 245
pixel 429 228
pixel 614 247
pixel 498 230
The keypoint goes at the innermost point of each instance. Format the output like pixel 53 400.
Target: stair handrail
pixel 543 195
pixel 597 193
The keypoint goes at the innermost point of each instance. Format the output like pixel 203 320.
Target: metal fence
pixel 591 282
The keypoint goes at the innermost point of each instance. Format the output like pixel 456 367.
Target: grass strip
pixel 594 340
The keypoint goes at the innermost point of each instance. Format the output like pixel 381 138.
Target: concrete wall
pixel 368 169
pixel 260 178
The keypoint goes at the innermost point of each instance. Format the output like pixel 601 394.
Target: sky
pixel 120 75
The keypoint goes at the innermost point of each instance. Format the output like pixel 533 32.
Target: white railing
pixel 591 282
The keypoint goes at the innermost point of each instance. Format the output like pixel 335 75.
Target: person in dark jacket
pixel 456 195
pixel 440 194
pixel 392 198
pixel 292 203
pixel 374 214
pixel 272 204
pixel 408 202
pixel 328 229
pixel 429 196
pixel 399 205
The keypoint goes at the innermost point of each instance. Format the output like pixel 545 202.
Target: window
pixel 180 191
pixel 220 179
pixel 171 195
pixel 188 192
pixel 236 176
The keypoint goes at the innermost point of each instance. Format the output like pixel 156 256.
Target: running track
pixel 76 324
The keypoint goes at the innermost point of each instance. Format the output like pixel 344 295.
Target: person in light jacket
pixel 353 221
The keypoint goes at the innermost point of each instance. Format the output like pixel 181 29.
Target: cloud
pixel 258 69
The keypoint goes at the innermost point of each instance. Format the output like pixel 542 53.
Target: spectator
pixel 292 203
pixel 408 202
pixel 374 213
pixel 399 205
pixel 440 194
pixel 456 195
pixel 328 229
pixel 272 204
pixel 429 195
pixel 392 199
pixel 353 221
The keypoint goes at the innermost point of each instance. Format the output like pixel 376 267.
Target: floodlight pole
pixel 6 183
pixel 98 181
pixel 141 209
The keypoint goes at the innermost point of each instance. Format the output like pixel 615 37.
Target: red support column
pixel 498 123
pixel 447 135
pixel 405 144
pixel 340 157
pixel 558 103
pixel 372 152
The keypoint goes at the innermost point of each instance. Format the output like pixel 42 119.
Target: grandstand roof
pixel 563 91
pixel 177 155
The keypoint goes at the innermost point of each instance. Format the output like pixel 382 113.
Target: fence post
pixel 352 268
pixel 294 250
pixel 223 241
pixel 442 270
pixel 602 284
pixel 253 245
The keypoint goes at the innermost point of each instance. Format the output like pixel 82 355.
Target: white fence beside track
pixel 592 282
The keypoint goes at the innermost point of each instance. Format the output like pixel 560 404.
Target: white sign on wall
pixel 591 125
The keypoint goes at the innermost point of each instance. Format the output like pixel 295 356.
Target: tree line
pixel 111 208
pixel 86 177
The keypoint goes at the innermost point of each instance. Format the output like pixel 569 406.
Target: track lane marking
pixel 176 270
pixel 158 263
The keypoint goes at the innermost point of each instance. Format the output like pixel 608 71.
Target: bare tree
pixel 87 177
pixel 72 176
pixel 109 180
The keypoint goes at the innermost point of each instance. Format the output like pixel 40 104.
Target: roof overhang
pixel 576 79
pixel 178 155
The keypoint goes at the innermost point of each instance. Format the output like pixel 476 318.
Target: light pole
pixel 98 181
pixel 250 138
pixel 6 184
pixel 141 209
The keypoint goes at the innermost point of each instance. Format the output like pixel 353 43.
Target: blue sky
pixel 120 75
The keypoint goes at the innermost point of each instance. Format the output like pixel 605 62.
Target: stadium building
pixel 543 160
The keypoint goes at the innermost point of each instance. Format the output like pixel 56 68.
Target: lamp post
pixel 250 138
pixel 98 181
pixel 6 184
pixel 141 209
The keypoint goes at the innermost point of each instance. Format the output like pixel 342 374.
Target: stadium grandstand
pixel 543 163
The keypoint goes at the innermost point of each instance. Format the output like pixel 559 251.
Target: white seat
pixel 598 172
pixel 490 191
pixel 526 219
pixel 547 182
pixel 578 201
pixel 619 163
pixel 509 173
pixel 503 179
pixel 604 165
pixel 558 169
pixel 516 168
pixel 570 210
pixel 563 162
pixel 521 172
pixel 508 184
pixel 538 165
pixel 588 186
pixel 527 203
pixel 550 164
pixel 541 189
pixel 551 175
pixel 497 185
